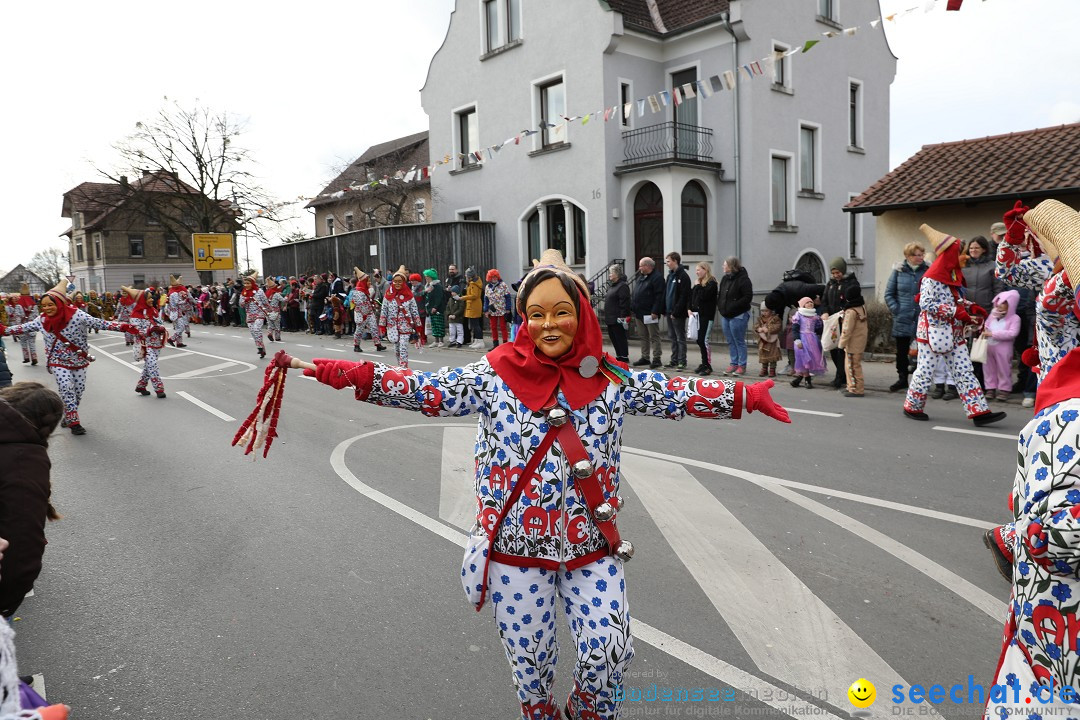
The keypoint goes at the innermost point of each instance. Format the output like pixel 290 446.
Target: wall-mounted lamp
pixel 614 213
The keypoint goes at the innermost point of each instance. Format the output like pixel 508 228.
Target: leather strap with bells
pixel 588 484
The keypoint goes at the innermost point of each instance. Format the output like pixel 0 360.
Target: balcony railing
pixel 667 141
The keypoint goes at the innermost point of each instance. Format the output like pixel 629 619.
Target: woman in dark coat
pixel 703 297
pixel 982 286
pixel 900 294
pixel 735 296
pixel 617 311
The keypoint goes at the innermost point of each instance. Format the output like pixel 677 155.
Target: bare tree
pixel 51 265
pixel 191 175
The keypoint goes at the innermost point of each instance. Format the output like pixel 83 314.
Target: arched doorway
pixel 649 223
pixel 811 263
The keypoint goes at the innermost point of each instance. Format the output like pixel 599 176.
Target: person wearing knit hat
pixel 275 303
pixel 1037 651
pixel 435 302
pixel 944 313
pixel 556 383
pixel 805 330
pixel 843 294
pixel 255 306
pixel 363 312
pixel 179 309
pixel 398 317
pixel 28 310
pixel 497 305
pixel 65 331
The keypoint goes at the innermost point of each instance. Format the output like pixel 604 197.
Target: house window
pixel 808 153
pixel 468 132
pixel 855 114
pixel 513 20
pixel 854 233
pixel 172 246
pixel 348 222
pixel 827 9
pixel 421 210
pixel 491 24
pixel 625 96
pixel 553 231
pixel 579 235
pixel 135 246
pixel 694 235
pixel 552 109
pixel 781 66
pixel 138 281
pixel 97 246
pixel 471 216
pixel 330 225
pixel 79 250
pixel 76 220
pixel 779 191
pixel 152 221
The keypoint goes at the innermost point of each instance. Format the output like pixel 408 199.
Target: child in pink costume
pixel 1000 329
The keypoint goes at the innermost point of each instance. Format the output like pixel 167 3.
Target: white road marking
pixel 244 366
pixel 813 412
pixel 202 371
pixel 457 500
pixel 692 656
pixel 220 334
pixel 788 631
pixel 39 685
pixel 212 410
pixel 965 431
pixel 110 344
pixel 238 337
pixel 978 597
pixel 334 349
pixel 171 355
pixel 302 345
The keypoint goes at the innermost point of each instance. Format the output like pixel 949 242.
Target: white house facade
pixel 761 172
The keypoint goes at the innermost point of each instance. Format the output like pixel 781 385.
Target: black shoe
pixel 848 393
pixel 77 430
pixel 796 381
pixel 640 362
pixel 180 344
pixel 172 343
pixel 706 370
pixel 698 369
pixel 380 348
pixel 1001 561
pixel 899 385
pixel 916 415
pixel 838 383
pixel 655 365
pixel 809 383
pixel 262 352
pixel 950 393
pixel 671 364
pixel 34 361
pixel 357 348
pixel 142 391
pixel 987 418
pixel 25 361
pixel 938 391
pixel 161 394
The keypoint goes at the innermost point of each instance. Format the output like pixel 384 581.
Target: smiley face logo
pixel 862 693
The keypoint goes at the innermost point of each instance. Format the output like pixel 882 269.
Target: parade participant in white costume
pixel 275 301
pixel 255 308
pixel 179 310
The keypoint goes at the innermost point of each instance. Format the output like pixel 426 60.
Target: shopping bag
pixel 978 349
pixel 692 327
pixel 830 333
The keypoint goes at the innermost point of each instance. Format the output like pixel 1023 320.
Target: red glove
pixel 1014 224
pixel 962 316
pixel 382 331
pixel 758 398
pixel 337 374
pixel 3 329
pixel 977 310
pixel 129 329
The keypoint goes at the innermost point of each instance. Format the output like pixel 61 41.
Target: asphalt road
pixel 776 564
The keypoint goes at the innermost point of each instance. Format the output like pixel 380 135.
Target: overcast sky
pixel 317 83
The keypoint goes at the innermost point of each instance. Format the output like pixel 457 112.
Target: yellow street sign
pixel 213 251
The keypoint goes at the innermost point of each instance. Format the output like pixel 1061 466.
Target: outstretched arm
pixel 656 395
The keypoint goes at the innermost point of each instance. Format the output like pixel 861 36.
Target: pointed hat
pixel 1058 228
pixel 359 274
pixel 552 259
pixel 937 239
pixel 175 279
pixel 402 272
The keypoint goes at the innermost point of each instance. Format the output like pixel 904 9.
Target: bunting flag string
pixel 726 80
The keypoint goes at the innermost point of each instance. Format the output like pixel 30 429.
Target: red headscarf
pixel 27 301
pixel 534 377
pixel 143 310
pixel 362 285
pixel 126 299
pixel 1061 383
pixel 249 288
pixel 65 311
pixel 177 288
pixel 946 266
pixel 402 295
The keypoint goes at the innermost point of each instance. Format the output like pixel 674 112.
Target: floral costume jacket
pixel 180 305
pixel 361 305
pixel 256 306
pixel 497 298
pixel 1057 328
pixel 274 303
pixel 71 354
pixel 549 523
pixel 1040 641
pixel 399 318
pixel 938 326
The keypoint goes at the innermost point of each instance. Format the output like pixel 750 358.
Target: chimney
pixel 146 173
pixel 123 180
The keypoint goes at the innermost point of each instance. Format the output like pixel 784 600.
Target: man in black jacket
pixel 318 301
pixel 648 304
pixel 676 305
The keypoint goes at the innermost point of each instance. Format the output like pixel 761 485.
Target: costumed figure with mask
pixel 65 330
pixel 275 301
pixel 363 312
pixel 179 310
pixel 939 334
pixel 150 337
pixel 551 406
pixel 399 318
pixel 27 311
pixel 255 307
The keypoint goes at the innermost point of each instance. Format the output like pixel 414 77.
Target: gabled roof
pixel 1033 163
pixel 20 274
pixel 667 17
pixel 97 200
pixel 403 153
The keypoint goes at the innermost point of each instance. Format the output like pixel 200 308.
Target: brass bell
pixel 619 502
pixel 583 469
pixel 604 512
pixel 625 551
pixel 557 416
